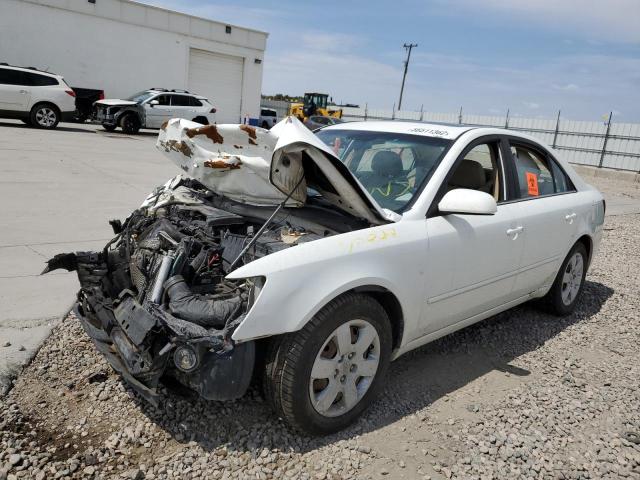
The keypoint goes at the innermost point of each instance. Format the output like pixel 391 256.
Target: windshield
pixel 392 167
pixel 141 96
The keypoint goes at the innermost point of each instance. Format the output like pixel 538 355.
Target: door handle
pixel 515 231
pixel 23 91
pixel 571 217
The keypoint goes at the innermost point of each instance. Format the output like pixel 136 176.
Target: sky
pixel 532 57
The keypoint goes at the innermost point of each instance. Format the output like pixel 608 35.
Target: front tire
pixel 44 115
pixel 561 300
pixel 321 378
pixel 130 123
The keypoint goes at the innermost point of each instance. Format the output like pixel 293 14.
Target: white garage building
pixel 123 47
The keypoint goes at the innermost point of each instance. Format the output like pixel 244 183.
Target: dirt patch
pixel 251 131
pixel 209 131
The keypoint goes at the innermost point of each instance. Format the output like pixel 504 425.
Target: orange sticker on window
pixel 532 183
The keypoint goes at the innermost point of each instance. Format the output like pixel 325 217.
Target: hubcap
pixel 45 117
pixel 572 279
pixel 344 368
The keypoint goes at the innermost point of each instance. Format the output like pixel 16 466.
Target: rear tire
pixel 265 125
pixel 130 123
pixel 44 115
pixel 109 128
pixel 321 378
pixel 567 288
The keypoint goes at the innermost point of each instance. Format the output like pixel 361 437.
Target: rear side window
pixel 268 113
pixel 36 80
pixel 194 102
pixel 180 101
pixel 537 174
pixel 9 76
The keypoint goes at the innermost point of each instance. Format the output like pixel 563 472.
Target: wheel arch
pixel 391 305
pixel 46 102
pixel 587 241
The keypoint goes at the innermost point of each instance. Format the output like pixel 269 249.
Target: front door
pixel 155 115
pixel 15 94
pixel 473 260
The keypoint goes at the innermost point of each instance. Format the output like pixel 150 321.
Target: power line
pixel 408 48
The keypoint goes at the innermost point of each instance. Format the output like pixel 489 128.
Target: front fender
pixel 302 279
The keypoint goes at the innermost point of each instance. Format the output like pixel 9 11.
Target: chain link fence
pixel 600 144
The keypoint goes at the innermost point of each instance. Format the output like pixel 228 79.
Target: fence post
pixel 506 120
pixel 421 111
pixel 366 111
pixel 393 111
pixel 460 116
pixel 606 138
pixel 555 134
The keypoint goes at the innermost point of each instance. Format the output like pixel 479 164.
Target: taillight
pixel 213 110
pixel 101 95
pixel 70 92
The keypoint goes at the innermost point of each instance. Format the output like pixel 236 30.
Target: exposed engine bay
pixel 155 300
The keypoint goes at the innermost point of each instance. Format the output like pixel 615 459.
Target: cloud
pixel 531 105
pixel 609 20
pixel 330 42
pixel 568 87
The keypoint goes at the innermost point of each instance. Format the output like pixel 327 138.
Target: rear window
pixel 267 113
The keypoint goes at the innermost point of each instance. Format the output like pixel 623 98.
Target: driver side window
pixel 479 170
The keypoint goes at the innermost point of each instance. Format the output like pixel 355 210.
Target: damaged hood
pixel 261 167
pixel 114 101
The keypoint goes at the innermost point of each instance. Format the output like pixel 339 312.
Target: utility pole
pixel 408 48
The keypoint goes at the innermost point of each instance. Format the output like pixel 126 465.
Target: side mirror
pixel 472 202
pixel 153 103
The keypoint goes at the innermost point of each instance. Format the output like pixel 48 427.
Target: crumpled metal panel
pixel 231 160
pixel 260 167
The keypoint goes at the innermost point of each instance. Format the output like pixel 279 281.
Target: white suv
pixel 38 98
pixel 151 108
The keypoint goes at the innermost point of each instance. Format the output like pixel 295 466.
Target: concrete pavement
pixel 58 189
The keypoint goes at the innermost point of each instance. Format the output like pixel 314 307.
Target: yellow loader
pixel 314 104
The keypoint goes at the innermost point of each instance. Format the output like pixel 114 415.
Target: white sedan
pixel 315 261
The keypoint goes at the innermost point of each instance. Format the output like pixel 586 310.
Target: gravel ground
pixel 521 395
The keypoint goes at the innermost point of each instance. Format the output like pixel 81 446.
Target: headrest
pixel 469 174
pixel 386 163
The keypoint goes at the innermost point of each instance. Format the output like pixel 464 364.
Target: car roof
pixel 30 70
pixel 439 130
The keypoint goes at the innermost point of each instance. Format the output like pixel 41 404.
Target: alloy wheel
pixel 46 117
pixel 344 368
pixel 572 278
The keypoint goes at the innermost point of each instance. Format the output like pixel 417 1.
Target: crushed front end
pixel 155 300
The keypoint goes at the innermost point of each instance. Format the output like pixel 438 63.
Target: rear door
pixel 548 207
pixel 15 94
pixel 181 107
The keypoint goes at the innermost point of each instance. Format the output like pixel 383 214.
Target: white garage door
pixel 219 78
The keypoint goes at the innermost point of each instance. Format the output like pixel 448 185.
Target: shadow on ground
pixel 414 382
